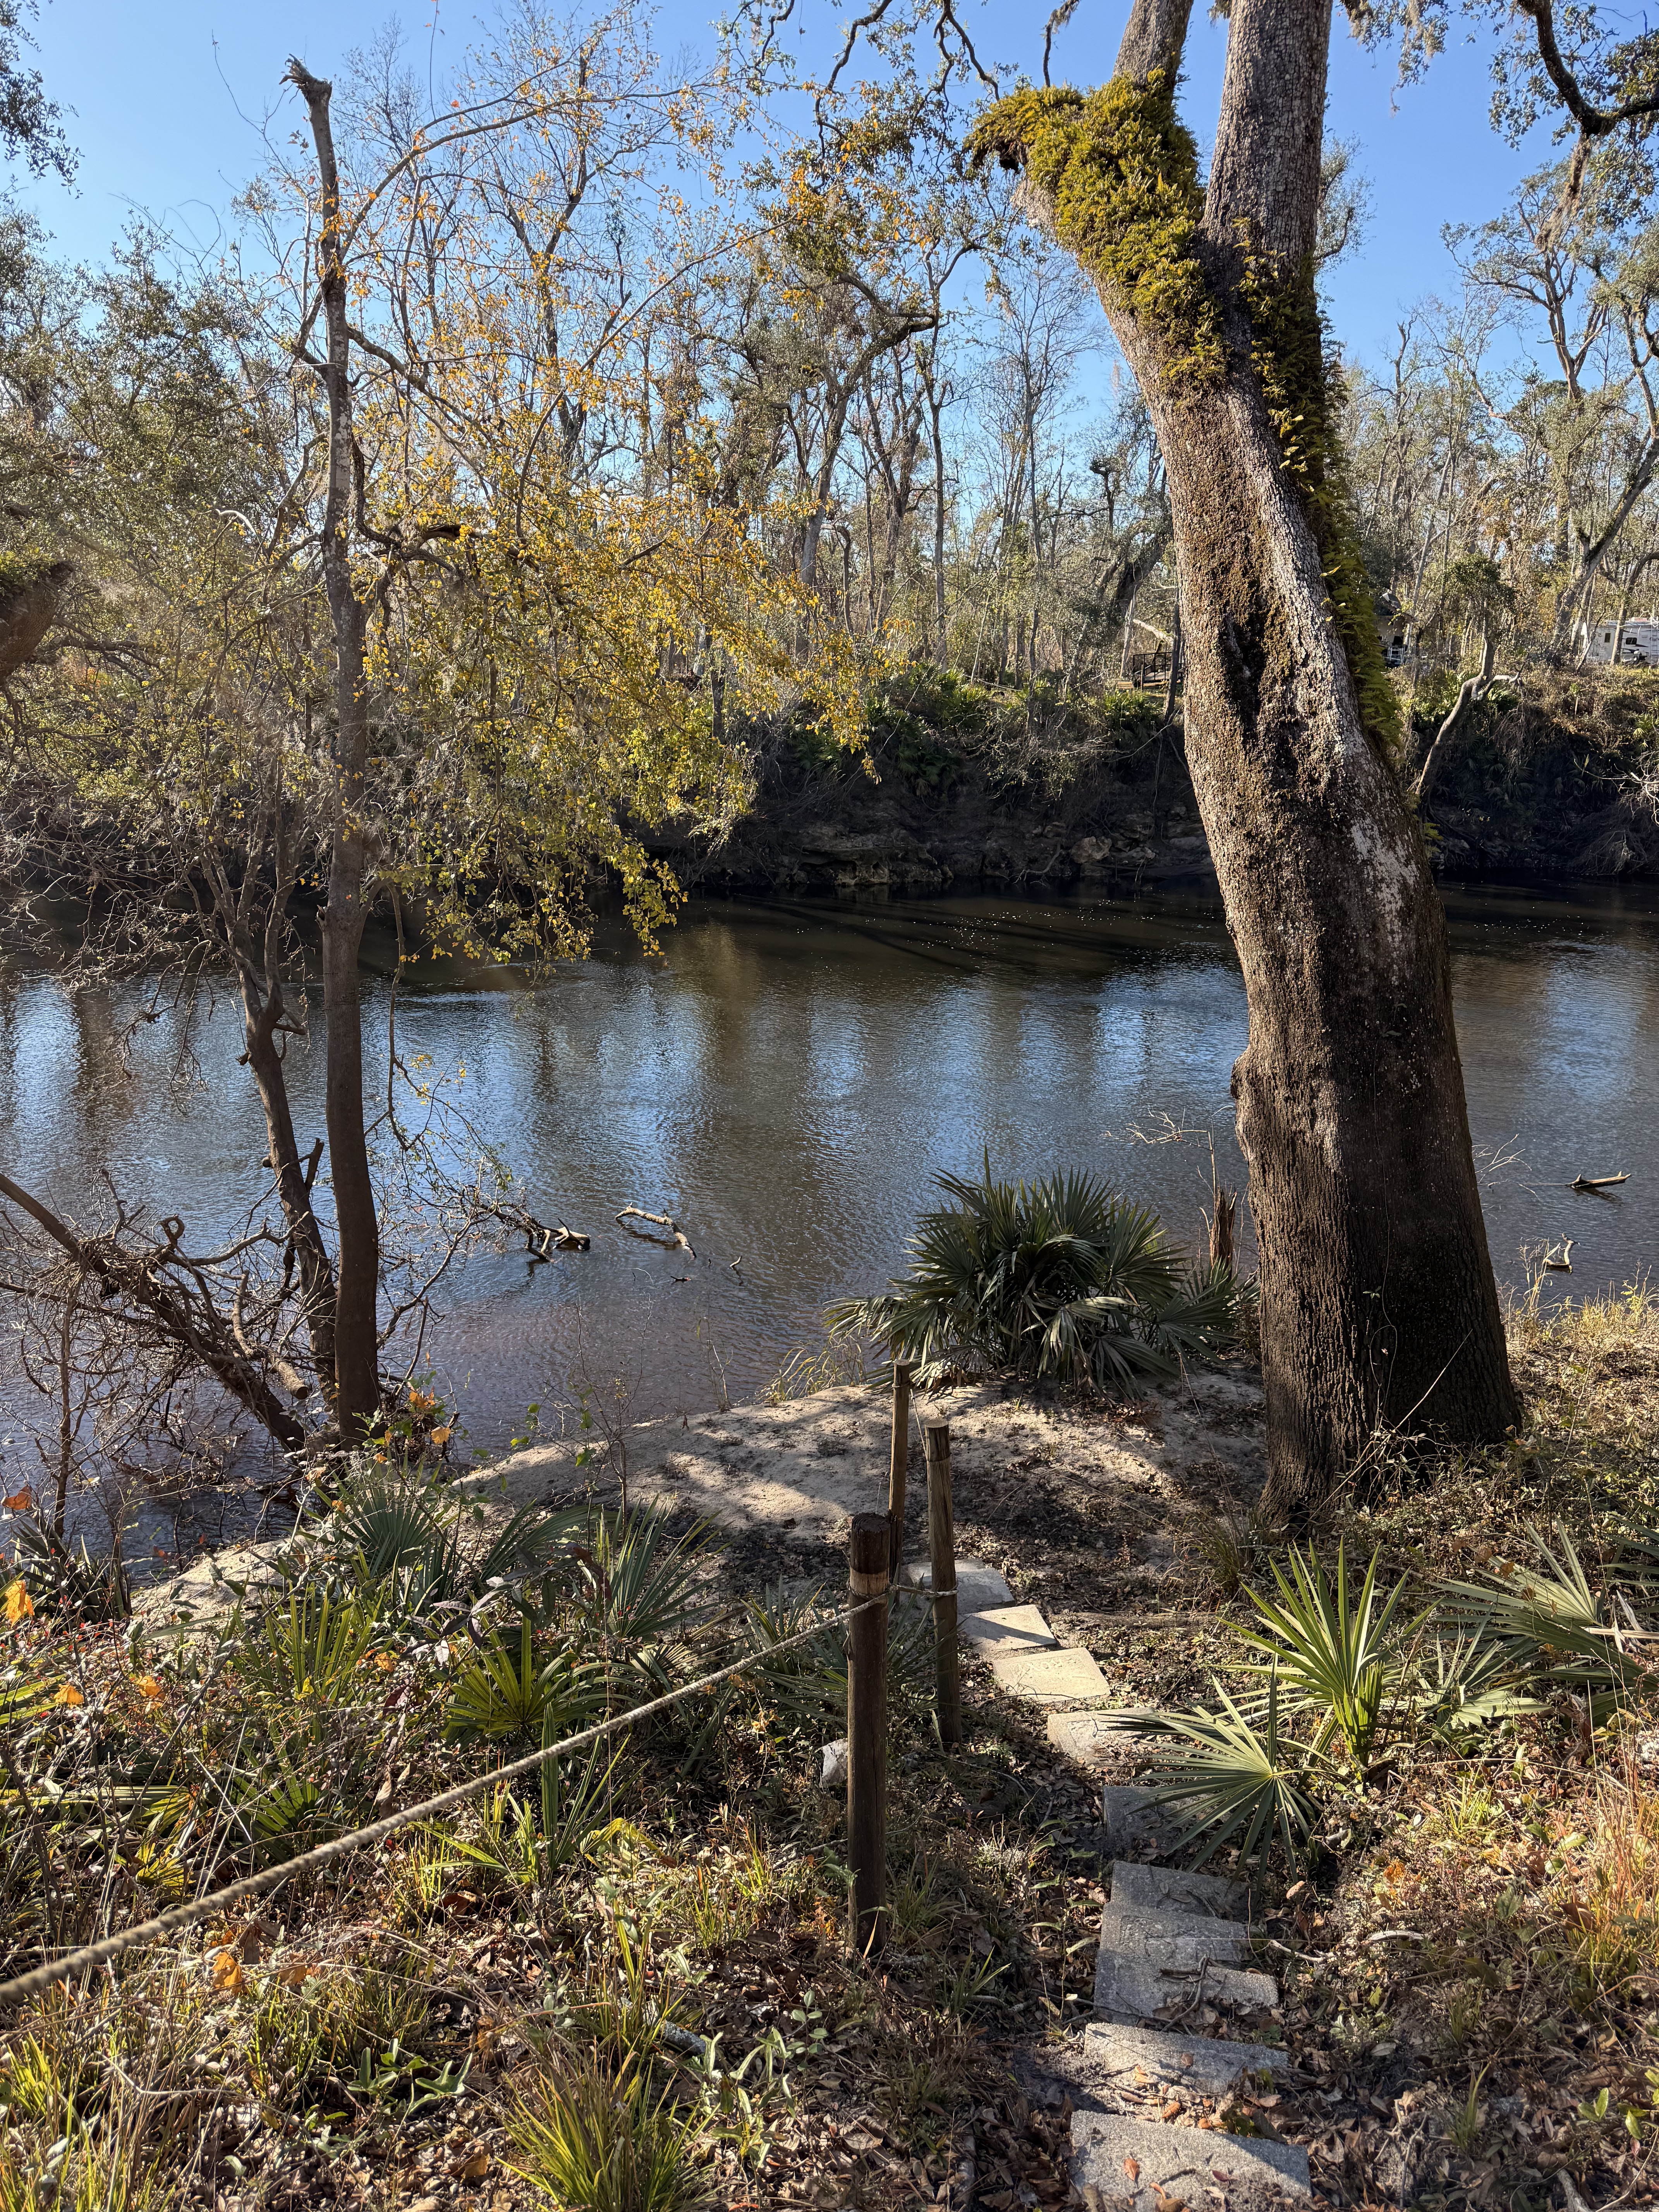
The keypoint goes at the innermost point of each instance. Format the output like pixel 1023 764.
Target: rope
pixel 214 1903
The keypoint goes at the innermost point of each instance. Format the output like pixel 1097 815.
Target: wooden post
pixel 867 1732
pixel 899 1461
pixel 942 1544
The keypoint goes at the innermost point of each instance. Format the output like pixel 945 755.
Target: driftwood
pixel 675 1241
pixel 539 1239
pixel 1596 1182
pixel 1564 1265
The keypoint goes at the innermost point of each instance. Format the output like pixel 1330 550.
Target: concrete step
pixel 1007 1628
pixel 1173 1939
pixel 1150 2058
pixel 1169 1993
pixel 1089 1738
pixel 1048 1677
pixel 980 1588
pixel 1151 1886
pixel 1134 2162
pixel 1135 1827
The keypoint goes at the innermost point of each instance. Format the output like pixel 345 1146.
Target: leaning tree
pixel 1378 1303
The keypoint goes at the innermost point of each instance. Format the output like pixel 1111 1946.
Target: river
pixel 787 1079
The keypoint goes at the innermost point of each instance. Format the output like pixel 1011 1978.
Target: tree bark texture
pixel 261 1015
pixel 356 1346
pixel 1378 1305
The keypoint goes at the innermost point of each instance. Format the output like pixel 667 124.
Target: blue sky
pixel 168 96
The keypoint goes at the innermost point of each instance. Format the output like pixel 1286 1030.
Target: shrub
pixel 1059 1278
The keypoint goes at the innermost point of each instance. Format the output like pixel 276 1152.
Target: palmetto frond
pixel 1060 1278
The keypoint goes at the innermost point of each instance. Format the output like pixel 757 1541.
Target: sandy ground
pixel 1090 1509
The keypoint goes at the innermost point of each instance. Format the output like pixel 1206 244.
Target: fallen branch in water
pixel 675 1241
pixel 539 1239
pixel 1596 1182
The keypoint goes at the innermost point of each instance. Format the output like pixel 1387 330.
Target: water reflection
pixel 786 1079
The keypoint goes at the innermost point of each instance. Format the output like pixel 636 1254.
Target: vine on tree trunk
pixel 1301 385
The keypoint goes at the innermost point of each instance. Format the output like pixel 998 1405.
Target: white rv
pixel 1638 643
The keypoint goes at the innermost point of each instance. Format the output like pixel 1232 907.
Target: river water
pixel 787 1079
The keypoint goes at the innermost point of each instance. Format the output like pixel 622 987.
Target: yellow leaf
pixel 69 1695
pixel 227 1973
pixel 18 1604
pixel 147 1685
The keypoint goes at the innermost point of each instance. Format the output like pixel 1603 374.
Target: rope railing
pixel 214 1902
pixel 875 1551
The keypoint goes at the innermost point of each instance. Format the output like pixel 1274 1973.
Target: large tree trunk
pixel 1378 1306
pixel 356 1346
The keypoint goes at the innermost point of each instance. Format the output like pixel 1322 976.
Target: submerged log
pixel 1596 1182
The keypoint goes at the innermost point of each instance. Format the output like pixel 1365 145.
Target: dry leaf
pixel 20 1606
pixel 295 1973
pixel 20 1501
pixel 470 2169
pixel 69 1695
pixel 147 1685
pixel 1132 2167
pixel 227 1973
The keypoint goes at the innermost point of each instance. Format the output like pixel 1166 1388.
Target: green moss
pixel 1120 174
pixel 20 570
pixel 1299 385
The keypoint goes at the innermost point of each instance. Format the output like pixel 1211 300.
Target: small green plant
pixel 606 2142
pixel 806 1372
pixel 804 1690
pixel 1467 2125
pixel 311 1648
pixel 405 2081
pixel 509 1689
pixel 1553 1631
pixel 1328 1651
pixel 1237 1772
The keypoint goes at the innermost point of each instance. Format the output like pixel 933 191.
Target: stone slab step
pixel 1133 1990
pixel 1048 1677
pixel 1142 2057
pixel 1127 2160
pixel 980 1588
pixel 1007 1628
pixel 1085 1737
pixel 1135 1827
pixel 1151 1886
pixel 1166 1938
